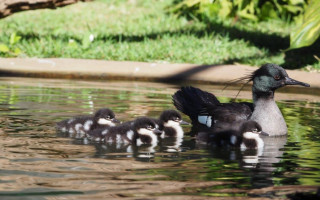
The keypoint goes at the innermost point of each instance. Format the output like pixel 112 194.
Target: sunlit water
pixel 38 163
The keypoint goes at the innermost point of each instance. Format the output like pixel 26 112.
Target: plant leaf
pixel 14 38
pixel 4 48
pixel 309 31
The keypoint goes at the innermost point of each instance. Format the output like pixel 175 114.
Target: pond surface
pixel 38 163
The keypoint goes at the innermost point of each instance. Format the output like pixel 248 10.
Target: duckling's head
pixel 171 118
pixel 146 126
pixel 251 132
pixel 251 127
pixel 270 77
pixel 105 116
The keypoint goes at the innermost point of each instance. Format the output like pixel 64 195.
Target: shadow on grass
pixel 272 42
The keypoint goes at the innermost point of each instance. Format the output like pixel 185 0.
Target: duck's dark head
pixel 105 116
pixel 270 77
pixel 172 117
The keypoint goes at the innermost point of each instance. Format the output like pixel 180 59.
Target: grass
pixel 139 30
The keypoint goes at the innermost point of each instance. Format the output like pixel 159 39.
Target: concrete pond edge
pixel 70 68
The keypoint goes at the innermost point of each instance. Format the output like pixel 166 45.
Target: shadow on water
pixel 35 161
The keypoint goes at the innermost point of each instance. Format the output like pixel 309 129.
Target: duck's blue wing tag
pixel 205 120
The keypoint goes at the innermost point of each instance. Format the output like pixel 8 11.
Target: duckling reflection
pixel 121 150
pixel 259 163
pixel 171 144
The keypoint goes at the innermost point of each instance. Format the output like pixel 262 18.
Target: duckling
pixel 78 126
pixel 247 138
pixel 143 130
pixel 170 121
pixel 206 112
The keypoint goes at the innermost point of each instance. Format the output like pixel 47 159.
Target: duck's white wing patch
pixel 233 140
pixel 205 120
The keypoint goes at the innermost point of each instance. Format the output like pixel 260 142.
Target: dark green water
pixel 38 163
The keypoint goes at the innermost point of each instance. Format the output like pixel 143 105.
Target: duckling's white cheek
pixel 144 131
pixel 103 121
pixel 171 123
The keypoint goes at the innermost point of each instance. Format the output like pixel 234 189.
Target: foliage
pixel 309 31
pixel 255 10
pixel 11 49
pixel 141 31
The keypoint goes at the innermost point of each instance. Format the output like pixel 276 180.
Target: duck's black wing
pixel 230 112
pixel 191 101
pixel 204 108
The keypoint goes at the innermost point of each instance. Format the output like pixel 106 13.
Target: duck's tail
pixel 192 101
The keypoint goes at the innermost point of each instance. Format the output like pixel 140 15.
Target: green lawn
pixel 141 30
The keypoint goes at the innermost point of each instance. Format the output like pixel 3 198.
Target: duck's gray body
pixel 268 115
pixel 206 111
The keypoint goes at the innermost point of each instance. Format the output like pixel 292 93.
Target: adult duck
pixel 204 109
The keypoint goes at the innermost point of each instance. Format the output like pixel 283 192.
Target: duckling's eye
pixel 150 127
pixel 177 119
pixel 255 130
pixel 108 117
pixel 277 77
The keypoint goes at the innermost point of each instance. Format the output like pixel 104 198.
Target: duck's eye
pixel 277 77
pixel 177 119
pixel 255 130
pixel 108 117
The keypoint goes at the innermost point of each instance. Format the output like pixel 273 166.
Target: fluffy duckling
pixel 78 126
pixel 143 130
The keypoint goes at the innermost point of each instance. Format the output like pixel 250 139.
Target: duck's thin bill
pixel 184 123
pixel 290 81
pixel 264 133
pixel 115 120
